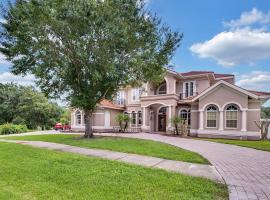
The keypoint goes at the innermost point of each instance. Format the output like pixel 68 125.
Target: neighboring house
pixel 211 104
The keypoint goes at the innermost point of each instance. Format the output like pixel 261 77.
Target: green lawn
pixel 31 173
pixel 261 145
pixel 128 145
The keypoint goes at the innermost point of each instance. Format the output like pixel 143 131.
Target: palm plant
pixel 123 120
pixel 176 121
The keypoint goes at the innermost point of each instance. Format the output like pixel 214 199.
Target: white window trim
pixel 135 92
pixel 160 87
pixel 120 98
pixel 213 127
pixel 189 88
pixel 232 128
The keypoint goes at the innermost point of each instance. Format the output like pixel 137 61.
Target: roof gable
pixel 221 82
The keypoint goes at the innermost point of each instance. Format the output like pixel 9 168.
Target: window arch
pixel 185 115
pixel 78 119
pixel 162 110
pixel 162 89
pixel 211 116
pixel 231 116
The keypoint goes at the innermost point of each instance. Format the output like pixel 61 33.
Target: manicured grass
pixel 32 173
pixel 260 145
pixel 128 145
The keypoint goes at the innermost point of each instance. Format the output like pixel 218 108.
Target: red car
pixel 59 126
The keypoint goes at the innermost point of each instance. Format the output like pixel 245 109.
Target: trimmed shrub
pixel 7 129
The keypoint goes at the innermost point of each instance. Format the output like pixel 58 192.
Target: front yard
pixel 30 173
pixel 259 145
pixel 128 145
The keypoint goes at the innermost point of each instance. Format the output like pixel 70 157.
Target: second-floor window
pixel 162 89
pixel 136 93
pixel 120 98
pixel 189 88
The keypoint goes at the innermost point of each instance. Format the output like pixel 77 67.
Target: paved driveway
pixel 246 171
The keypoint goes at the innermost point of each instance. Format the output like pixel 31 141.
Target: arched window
pixel 185 115
pixel 78 118
pixel 231 116
pixel 162 89
pixel 133 118
pixel 140 118
pixel 211 117
pixel 162 110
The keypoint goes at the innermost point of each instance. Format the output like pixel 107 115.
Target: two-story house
pixel 211 103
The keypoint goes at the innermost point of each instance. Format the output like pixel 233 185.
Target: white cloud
pixel 249 18
pixel 235 47
pixel 241 44
pixel 3 21
pixel 254 80
pixel 7 77
pixel 3 59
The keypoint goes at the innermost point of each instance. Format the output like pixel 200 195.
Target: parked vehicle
pixel 59 126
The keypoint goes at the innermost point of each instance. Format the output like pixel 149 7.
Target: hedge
pixel 7 129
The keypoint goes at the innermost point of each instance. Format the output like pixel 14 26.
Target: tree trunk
pixel 88 124
pixel 263 126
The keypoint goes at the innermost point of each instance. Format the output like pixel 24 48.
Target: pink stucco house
pixel 211 103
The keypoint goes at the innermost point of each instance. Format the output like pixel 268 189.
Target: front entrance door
pixel 162 122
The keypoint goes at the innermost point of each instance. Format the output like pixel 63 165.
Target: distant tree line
pixel 265 113
pixel 26 105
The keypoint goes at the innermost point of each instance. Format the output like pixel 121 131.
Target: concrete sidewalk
pixel 198 170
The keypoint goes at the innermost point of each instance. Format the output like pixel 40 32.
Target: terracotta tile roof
pixel 109 104
pixel 192 73
pixel 259 93
pixel 222 75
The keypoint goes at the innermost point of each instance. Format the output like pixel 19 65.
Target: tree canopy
pixel 88 49
pixel 25 105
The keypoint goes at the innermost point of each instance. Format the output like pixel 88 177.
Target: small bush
pixel 7 129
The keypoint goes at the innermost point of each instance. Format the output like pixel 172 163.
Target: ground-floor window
pixel 78 120
pixel 231 116
pixel 140 118
pixel 211 117
pixel 133 118
pixel 185 115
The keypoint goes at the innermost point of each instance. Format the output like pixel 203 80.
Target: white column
pixel 170 116
pixel 130 115
pixel 144 116
pixel 201 120
pixel 221 120
pixel 244 120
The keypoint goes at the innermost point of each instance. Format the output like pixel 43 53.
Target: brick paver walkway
pixel 199 170
pixel 246 171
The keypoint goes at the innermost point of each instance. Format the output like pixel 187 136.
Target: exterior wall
pixel 171 84
pixel 222 96
pixel 194 123
pixel 202 84
pixel 100 117
pixel 251 117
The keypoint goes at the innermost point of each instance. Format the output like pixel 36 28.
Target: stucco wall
pixel 251 117
pixel 223 95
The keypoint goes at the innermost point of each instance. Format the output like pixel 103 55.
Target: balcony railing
pixel 183 96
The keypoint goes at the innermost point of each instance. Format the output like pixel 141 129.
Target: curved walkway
pixel 246 171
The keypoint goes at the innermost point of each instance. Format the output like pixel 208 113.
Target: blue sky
pixel 222 36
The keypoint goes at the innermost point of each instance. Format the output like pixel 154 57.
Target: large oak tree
pixel 86 49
